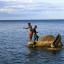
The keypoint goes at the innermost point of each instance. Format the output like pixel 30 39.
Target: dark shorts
pixel 36 37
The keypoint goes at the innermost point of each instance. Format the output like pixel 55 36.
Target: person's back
pixel 35 33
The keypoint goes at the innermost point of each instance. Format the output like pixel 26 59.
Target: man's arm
pixel 25 28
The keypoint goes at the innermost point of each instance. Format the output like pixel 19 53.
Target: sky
pixel 31 9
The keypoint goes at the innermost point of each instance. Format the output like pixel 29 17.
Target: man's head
pixel 29 24
pixel 35 26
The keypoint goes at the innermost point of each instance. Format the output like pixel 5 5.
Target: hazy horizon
pixel 31 19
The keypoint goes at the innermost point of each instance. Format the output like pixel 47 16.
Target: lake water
pixel 13 41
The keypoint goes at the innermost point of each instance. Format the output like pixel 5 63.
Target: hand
pixel 23 27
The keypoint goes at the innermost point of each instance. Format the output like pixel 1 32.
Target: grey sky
pixel 31 9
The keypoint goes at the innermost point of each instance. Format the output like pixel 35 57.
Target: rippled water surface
pixel 13 41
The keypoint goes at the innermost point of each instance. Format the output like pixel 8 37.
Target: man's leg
pixel 30 36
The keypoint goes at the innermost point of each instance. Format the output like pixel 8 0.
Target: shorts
pixel 30 35
pixel 35 37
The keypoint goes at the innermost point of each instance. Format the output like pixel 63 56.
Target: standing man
pixel 30 31
pixel 35 33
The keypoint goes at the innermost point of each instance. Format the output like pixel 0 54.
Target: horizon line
pixel 32 19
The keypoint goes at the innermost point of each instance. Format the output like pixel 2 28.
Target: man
pixel 30 31
pixel 35 33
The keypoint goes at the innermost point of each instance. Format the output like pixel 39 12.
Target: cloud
pixel 24 1
pixel 49 1
pixel 18 1
pixel 7 10
pixel 8 0
pixel 26 9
